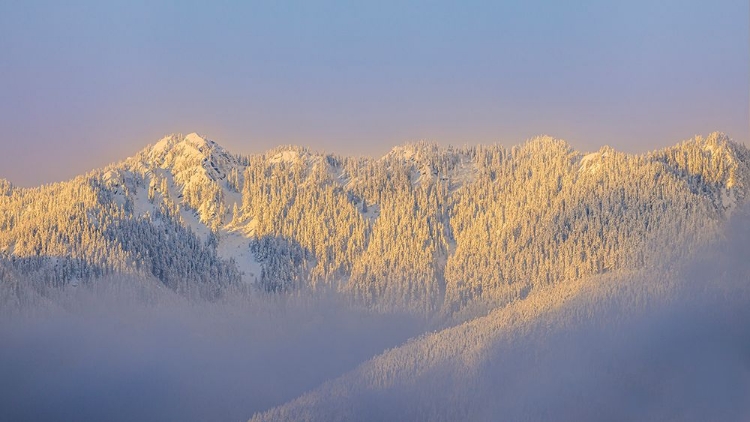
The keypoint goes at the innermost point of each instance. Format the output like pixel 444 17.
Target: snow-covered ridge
pixel 458 225
pixel 429 162
pixel 289 155
pixel 178 152
pixel 592 162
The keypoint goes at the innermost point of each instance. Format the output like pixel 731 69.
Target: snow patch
pixel 236 245
pixel 141 204
pixel 373 210
pixel 196 140
pixel 287 156
pixel 163 145
pixel 591 163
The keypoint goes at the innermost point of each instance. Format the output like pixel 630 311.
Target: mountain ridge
pixel 423 228
pixel 590 341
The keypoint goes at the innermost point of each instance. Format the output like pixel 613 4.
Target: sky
pixel 84 84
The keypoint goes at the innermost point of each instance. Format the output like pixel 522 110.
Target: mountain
pixel 654 344
pixel 455 232
pixel 546 283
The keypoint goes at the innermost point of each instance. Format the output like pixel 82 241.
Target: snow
pixel 287 156
pixel 236 245
pixel 592 162
pixel 195 140
pixel 190 219
pixel 163 145
pixel 405 152
pixel 419 156
pixel 183 162
pixel 373 210
pixel 141 204
pixel 411 152
pixel 590 157
pixel 187 151
pixel 177 149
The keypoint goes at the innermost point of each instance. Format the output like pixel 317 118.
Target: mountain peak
pixel 413 151
pixel 195 139
pixel 178 142
pixel 184 154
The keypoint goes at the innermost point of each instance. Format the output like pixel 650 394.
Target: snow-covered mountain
pixel 546 283
pixel 650 345
pixel 454 231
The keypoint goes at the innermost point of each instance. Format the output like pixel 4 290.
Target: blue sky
pixel 88 83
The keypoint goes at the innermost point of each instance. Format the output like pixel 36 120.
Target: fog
pixel 128 350
pixel 688 362
pixel 669 343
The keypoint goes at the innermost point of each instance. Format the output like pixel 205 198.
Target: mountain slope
pixel 424 229
pixel 663 343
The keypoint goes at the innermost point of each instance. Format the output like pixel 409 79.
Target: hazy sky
pixel 83 84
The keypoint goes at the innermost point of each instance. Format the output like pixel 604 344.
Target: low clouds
pixel 109 355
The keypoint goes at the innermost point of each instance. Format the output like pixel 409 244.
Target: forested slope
pixel 656 344
pixel 455 231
